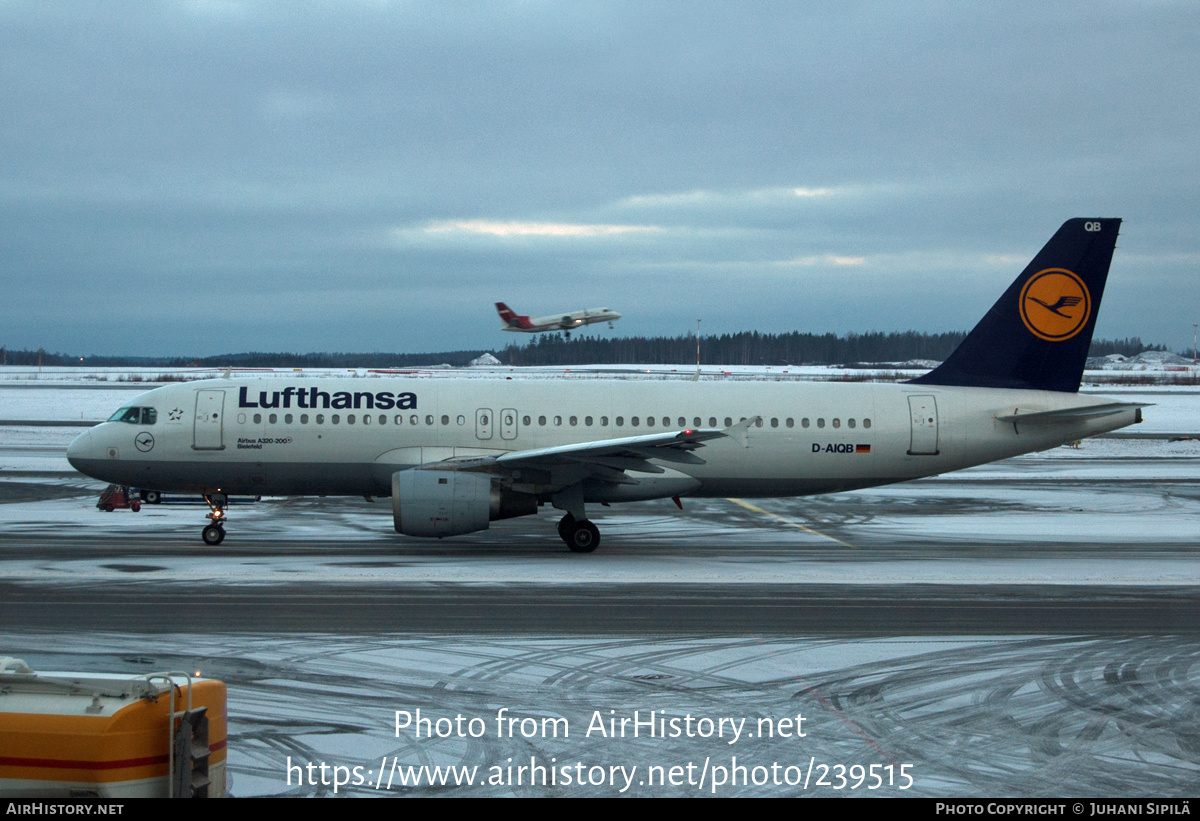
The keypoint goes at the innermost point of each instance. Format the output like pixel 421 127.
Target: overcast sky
pixel 199 176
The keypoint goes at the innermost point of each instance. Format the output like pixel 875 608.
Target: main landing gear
pixel 581 536
pixel 214 534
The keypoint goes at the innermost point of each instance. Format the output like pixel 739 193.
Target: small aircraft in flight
pixel 455 454
pixel 563 322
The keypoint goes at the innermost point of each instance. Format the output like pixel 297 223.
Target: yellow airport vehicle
pixel 110 735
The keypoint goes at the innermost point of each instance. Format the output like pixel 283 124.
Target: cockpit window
pixel 135 416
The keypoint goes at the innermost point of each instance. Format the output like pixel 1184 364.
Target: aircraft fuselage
pixel 341 436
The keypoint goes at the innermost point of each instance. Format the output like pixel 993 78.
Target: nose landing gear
pixel 214 534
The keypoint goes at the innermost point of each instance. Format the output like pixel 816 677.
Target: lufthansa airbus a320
pixel 456 454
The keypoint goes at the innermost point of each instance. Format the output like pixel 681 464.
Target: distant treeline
pixel 747 348
pixel 753 348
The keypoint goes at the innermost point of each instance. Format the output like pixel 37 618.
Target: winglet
pixel 741 431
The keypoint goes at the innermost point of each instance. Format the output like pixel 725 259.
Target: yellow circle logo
pixel 1055 304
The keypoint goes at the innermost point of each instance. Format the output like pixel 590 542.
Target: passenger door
pixel 924 416
pixel 209 426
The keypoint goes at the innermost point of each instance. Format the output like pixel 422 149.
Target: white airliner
pixel 562 322
pixel 456 454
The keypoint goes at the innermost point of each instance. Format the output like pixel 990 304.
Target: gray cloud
pixel 203 176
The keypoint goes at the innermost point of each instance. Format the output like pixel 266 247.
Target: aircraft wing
pixel 603 459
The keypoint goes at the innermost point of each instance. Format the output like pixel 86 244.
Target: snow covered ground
pixel 1027 715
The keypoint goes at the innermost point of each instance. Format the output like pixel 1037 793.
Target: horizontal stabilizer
pixel 1065 414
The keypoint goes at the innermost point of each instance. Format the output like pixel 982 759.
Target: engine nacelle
pixel 440 502
pixel 451 502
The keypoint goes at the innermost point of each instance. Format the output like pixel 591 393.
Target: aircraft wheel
pixel 213 535
pixel 582 537
pixel 563 524
pixel 151 497
pixel 135 506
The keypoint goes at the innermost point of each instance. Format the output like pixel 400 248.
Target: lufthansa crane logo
pixel 144 441
pixel 1055 304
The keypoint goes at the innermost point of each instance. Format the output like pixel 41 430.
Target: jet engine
pixel 451 502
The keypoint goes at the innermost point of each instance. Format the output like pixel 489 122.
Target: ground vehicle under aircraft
pixel 456 454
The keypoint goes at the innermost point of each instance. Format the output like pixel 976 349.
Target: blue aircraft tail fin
pixel 1038 333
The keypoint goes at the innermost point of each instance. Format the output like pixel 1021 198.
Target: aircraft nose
pixel 80 450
